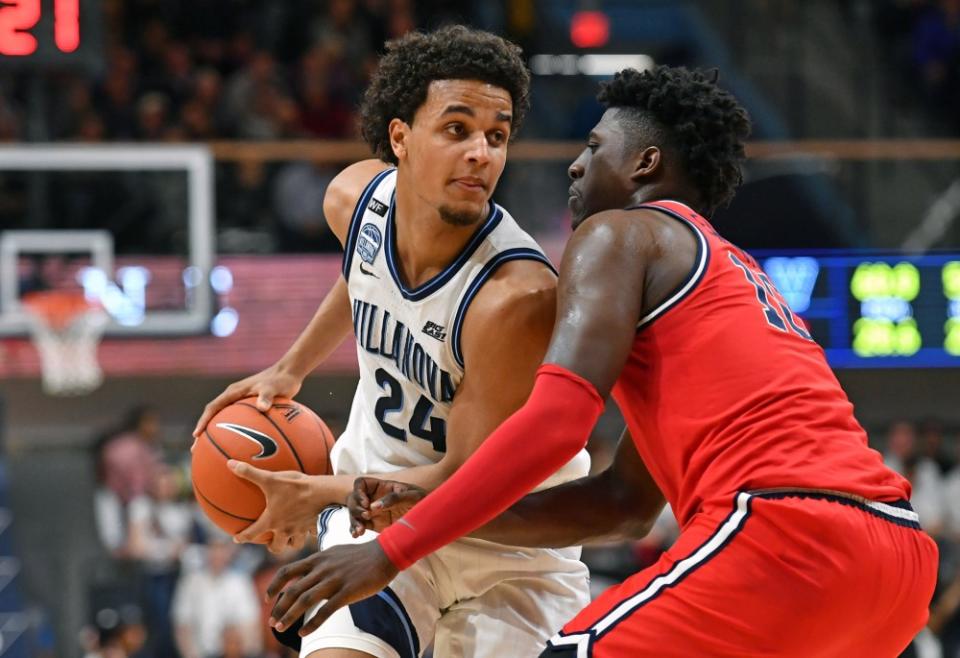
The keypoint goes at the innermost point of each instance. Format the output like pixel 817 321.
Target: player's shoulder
pixel 611 227
pixel 632 232
pixel 516 292
pixel 344 191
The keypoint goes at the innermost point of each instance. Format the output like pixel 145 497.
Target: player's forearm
pixel 588 510
pixel 327 329
pixel 560 412
pixel 427 477
pixel 334 489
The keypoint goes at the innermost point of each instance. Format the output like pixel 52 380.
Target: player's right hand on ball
pixel 267 384
pixel 375 504
pixel 290 516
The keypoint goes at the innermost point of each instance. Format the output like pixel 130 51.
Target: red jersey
pixel 725 391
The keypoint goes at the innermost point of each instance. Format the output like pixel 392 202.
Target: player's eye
pixel 498 137
pixel 593 146
pixel 456 129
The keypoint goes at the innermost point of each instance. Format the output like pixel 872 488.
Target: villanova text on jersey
pixel 380 334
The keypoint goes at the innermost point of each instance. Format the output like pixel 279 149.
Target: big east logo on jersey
pixel 369 243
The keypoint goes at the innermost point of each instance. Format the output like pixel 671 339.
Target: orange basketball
pixel 288 437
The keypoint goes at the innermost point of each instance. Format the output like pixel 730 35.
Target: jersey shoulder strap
pixel 366 227
pixel 507 243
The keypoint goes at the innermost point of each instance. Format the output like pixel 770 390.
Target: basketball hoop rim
pixel 57 309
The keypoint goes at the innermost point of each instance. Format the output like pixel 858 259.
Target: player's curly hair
pixel 702 122
pixel 413 61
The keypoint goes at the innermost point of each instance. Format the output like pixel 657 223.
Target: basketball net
pixel 65 329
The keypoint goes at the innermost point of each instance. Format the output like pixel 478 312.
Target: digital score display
pixel 870 310
pixel 49 31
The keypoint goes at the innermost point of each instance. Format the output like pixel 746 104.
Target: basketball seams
pixel 216 445
pixel 282 434
pixel 212 504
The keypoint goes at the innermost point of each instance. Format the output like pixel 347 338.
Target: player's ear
pixel 646 163
pixel 399 133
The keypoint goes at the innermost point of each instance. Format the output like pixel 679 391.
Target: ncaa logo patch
pixel 369 242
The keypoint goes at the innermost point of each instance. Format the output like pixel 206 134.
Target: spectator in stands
pixel 90 128
pixel 934 447
pixel 152 112
pixel 202 115
pixel 160 528
pixel 945 616
pixel 116 95
pixel 200 615
pixel 119 633
pixel 73 106
pixel 351 31
pixel 901 448
pixel 197 122
pixel 324 111
pixel 177 80
pixel 401 19
pixel 151 38
pixel 126 459
pixel 903 456
pixel 250 98
pixel 9 121
pixel 298 192
pixel 951 511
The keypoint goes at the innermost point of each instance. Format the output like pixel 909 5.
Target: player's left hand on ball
pixel 375 504
pixel 289 517
pixel 341 575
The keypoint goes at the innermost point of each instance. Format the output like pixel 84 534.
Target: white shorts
pixel 471 599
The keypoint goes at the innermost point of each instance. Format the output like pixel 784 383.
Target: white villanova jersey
pixel 408 339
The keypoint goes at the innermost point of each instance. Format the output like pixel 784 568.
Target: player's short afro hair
pixel 413 61
pixel 702 122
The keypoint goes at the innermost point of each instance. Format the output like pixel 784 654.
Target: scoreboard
pixel 51 32
pixel 870 310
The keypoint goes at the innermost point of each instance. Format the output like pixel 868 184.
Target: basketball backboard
pixel 132 226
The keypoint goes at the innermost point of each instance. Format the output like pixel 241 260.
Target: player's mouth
pixel 471 183
pixel 574 197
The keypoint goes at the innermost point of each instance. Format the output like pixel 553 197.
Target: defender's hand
pixel 341 575
pixel 266 385
pixel 375 504
pixel 290 516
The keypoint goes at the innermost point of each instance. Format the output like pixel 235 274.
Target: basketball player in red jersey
pixel 796 540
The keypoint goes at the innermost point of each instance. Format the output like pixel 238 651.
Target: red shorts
pixel 783 574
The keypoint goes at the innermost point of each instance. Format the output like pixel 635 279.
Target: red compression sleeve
pixel 525 450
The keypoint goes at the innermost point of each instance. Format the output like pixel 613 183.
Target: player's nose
pixel 575 171
pixel 479 151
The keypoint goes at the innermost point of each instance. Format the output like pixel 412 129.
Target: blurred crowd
pixel 175 584
pixel 178 71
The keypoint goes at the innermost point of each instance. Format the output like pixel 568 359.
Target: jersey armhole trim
pixel 520 253
pixel 687 286
pixel 355 221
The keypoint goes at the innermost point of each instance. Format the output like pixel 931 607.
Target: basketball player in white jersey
pixel 452 306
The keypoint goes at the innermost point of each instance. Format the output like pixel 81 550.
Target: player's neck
pixel 426 244
pixel 665 191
